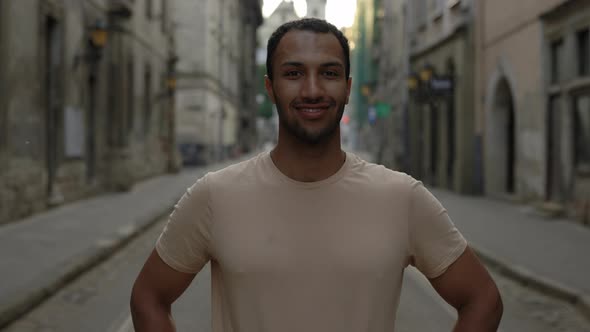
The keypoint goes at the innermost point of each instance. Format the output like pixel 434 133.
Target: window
pixel 163 109
pixel 54 83
pixel 436 5
pixel 583 52
pixel 3 115
pixel 420 12
pixel 147 100
pixel 130 96
pixel 149 9
pixel 164 21
pixel 556 61
pixel 453 3
pixel 435 9
pixel 582 131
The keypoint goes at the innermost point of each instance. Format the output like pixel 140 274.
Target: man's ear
pixel 268 87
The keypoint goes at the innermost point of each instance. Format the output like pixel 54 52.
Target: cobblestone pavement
pixel 528 310
pixel 98 302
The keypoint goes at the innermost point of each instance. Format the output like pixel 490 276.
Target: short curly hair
pixel 306 24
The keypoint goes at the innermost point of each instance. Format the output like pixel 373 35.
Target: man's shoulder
pixel 379 174
pixel 236 172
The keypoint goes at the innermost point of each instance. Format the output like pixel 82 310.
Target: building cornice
pixel 420 51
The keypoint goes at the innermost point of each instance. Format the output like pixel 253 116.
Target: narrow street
pixel 98 302
pixel 110 110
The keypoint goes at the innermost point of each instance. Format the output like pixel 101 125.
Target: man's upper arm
pixel 464 280
pixel 161 282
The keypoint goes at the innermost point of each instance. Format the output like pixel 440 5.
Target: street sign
pixel 441 85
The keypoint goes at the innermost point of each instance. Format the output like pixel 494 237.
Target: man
pixel 307 237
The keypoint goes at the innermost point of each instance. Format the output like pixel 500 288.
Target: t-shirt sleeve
pixel 435 242
pixel 185 241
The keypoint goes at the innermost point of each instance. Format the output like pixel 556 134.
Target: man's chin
pixel 314 139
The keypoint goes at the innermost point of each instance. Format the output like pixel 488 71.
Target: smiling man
pixel 308 237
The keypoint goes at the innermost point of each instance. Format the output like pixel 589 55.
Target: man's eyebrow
pixel 299 64
pixel 292 63
pixel 332 64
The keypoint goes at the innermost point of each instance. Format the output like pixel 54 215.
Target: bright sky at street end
pixel 338 12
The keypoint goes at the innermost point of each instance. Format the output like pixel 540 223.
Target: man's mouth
pixel 311 110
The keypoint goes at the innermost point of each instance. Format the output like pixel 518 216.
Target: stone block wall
pixel 23 189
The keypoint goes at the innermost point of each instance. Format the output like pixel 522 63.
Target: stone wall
pixel 125 150
pixel 23 189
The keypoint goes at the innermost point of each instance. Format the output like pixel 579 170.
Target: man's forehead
pixel 298 46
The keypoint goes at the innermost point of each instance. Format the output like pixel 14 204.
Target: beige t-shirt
pixel 322 256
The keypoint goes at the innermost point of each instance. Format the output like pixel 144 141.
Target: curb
pixel 529 279
pixel 31 295
pixel 25 299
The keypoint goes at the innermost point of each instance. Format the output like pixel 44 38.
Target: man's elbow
pixel 496 306
pixel 139 303
pixel 490 308
pixel 144 305
pixel 482 312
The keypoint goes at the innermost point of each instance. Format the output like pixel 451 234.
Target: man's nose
pixel 312 87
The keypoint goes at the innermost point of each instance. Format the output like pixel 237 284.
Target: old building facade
pixel 441 149
pixel 391 56
pixel 316 8
pixel 566 48
pixel 533 102
pixel 216 104
pixel 511 97
pixel 84 105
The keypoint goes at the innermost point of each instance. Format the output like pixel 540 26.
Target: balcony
pixel 121 8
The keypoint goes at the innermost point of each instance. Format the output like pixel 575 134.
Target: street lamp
pixel 413 81
pixel 98 35
pixel 426 73
pixel 171 80
pixel 426 86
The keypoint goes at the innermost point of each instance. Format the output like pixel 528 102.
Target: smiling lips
pixel 312 111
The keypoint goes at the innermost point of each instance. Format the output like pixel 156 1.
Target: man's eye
pixel 331 73
pixel 292 73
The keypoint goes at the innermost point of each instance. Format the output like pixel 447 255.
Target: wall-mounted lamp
pixel 365 90
pixel 426 73
pixel 98 34
pixel 171 76
pixel 171 82
pixel 413 81
pixel 97 37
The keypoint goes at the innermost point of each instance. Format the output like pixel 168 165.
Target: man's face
pixel 309 85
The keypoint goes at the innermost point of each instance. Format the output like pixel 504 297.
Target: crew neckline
pixel 309 185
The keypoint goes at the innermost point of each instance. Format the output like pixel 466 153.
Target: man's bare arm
pixel 156 288
pixel 467 286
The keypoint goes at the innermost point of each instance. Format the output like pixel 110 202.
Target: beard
pixel 306 136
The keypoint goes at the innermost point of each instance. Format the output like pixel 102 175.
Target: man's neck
pixel 306 163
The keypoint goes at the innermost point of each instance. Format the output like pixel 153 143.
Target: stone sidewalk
pixel 42 253
pixel 551 255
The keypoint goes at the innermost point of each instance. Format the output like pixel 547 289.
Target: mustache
pixel 313 102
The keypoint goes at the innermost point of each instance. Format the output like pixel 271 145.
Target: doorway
pixel 90 126
pixel 53 65
pixel 434 140
pixel 451 141
pixel 502 141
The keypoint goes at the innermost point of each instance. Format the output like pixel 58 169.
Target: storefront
pixel 441 140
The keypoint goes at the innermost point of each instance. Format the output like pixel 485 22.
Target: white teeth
pixel 311 110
